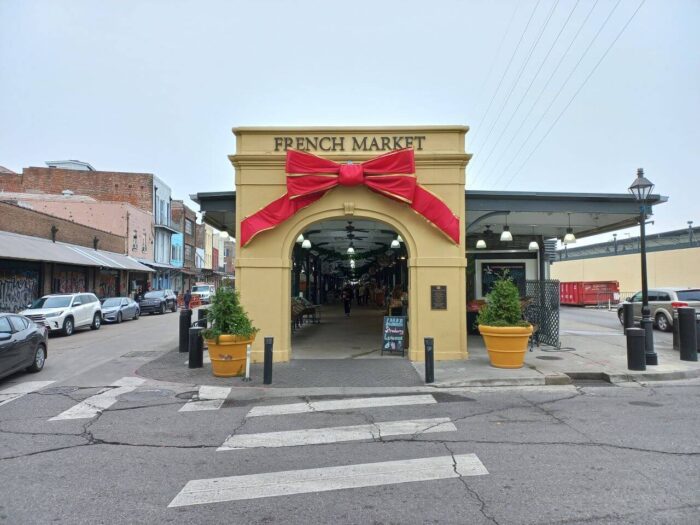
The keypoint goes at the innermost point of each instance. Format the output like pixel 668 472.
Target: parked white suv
pixel 66 312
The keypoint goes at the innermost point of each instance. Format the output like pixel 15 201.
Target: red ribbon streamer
pixel 309 178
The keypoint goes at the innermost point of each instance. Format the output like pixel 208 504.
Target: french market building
pixel 352 192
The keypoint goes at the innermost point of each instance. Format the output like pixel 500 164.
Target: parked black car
pixel 158 301
pixel 118 309
pixel 23 344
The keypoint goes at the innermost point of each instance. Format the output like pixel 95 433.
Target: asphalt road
pixel 99 446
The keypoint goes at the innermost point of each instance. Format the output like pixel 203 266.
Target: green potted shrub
pixel 502 326
pixel 231 331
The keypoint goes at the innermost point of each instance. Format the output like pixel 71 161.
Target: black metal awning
pixel 548 212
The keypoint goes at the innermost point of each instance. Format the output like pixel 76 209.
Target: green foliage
pixel 227 315
pixel 502 306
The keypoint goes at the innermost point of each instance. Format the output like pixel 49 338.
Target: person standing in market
pixel 347 299
pixel 187 298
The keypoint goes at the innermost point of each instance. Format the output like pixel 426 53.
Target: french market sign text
pixel 336 143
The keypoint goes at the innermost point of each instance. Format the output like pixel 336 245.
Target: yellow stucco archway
pixel 263 266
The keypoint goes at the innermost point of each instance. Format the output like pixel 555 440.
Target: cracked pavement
pixel 582 453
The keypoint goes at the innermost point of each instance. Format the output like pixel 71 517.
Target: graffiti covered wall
pixel 18 288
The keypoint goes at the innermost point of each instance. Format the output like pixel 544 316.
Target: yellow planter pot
pixel 228 355
pixel 506 344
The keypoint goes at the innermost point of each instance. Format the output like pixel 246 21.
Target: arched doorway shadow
pixel 321 270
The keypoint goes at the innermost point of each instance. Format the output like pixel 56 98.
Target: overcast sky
pixel 156 86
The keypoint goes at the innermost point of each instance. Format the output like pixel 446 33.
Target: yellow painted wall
pixel 263 267
pixel 665 268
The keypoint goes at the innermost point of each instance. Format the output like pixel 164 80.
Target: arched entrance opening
pixel 346 275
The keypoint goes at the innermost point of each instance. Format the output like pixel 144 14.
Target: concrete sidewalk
pixel 585 354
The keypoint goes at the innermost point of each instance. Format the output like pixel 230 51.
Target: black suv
pixel 158 301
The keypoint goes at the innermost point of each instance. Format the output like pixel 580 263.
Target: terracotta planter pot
pixel 228 355
pixel 506 344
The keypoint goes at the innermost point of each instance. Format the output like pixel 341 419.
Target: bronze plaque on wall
pixel 438 297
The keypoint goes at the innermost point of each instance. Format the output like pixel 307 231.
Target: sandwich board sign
pixel 394 334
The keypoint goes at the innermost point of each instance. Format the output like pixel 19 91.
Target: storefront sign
pixel 361 143
pixel 438 297
pixel 394 334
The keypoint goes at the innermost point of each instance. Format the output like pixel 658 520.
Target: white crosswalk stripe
pixel 340 404
pixel 96 404
pixel 21 389
pixel 252 486
pixel 209 398
pixel 316 436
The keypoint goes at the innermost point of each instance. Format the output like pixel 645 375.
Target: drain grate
pixel 548 357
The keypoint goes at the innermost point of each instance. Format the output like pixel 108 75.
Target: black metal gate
pixel 543 311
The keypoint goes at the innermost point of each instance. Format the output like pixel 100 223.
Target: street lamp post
pixel 641 189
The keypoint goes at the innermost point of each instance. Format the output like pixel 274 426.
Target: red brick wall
pixel 134 188
pixel 20 220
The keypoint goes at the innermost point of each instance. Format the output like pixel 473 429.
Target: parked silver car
pixel 662 303
pixel 118 309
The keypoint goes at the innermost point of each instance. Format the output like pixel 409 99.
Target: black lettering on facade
pixel 397 143
pixel 420 139
pixel 322 144
pixel 409 142
pixel 386 144
pixel 338 143
pixel 288 143
pixel 278 143
pixel 311 143
pixel 374 145
pixel 359 145
pixel 300 143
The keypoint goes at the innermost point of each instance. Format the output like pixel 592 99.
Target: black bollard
pixel 429 360
pixel 636 358
pixel 267 366
pixel 627 316
pixel 202 317
pixel 185 321
pixel 195 347
pixel 687 334
pixel 676 340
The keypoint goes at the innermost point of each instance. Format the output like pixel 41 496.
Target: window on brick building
pixel 188 252
pixel 188 227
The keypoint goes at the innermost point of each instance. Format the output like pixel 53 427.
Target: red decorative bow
pixel 309 178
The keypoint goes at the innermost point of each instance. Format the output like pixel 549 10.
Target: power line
pixel 544 88
pixel 509 63
pixel 522 69
pixel 561 88
pixel 532 82
pixel 498 53
pixel 617 37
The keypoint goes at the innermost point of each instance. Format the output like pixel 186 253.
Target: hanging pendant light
pixel 506 236
pixel 569 238
pixel 351 249
pixel 300 239
pixel 306 244
pixel 481 244
pixel 533 246
pixel 395 244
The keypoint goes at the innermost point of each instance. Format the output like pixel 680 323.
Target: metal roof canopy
pixel 25 247
pixel 548 212
pixel 218 209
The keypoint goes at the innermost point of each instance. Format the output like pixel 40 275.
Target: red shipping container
pixel 589 293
